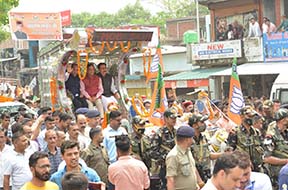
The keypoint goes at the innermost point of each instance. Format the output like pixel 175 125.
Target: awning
pixel 191 79
pixel 255 69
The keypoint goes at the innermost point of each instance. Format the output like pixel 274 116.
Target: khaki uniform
pixel 201 154
pixel 97 159
pixel 278 148
pixel 181 165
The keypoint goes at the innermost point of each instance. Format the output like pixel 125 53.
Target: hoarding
pixel 275 46
pixel 216 50
pixel 35 26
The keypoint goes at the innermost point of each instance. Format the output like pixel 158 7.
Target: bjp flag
pixel 236 100
pixel 153 67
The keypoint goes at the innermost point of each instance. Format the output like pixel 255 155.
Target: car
pixel 13 108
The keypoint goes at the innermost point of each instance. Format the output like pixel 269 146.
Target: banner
pixel 236 100
pixel 153 67
pixel 36 26
pixel 275 46
pixel 217 50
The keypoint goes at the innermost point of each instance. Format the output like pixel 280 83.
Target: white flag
pixel 33 83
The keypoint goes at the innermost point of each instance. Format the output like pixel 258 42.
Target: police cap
pixel 267 104
pixel 172 113
pixel 185 131
pixel 81 111
pixel 138 120
pixel 92 113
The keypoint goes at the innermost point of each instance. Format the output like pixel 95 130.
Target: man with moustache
pixel 40 167
pixel 95 155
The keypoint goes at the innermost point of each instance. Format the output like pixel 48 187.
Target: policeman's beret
pixel 92 113
pixel 185 131
pixel 81 111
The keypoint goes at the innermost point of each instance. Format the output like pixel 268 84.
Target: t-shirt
pixel 48 186
pixel 209 186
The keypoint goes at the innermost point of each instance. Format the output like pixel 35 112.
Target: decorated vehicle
pixel 82 46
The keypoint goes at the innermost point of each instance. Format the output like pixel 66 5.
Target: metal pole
pixel 198 23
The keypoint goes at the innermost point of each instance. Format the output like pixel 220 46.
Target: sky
pixel 78 6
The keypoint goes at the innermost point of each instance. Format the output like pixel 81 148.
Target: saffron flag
pixel 153 67
pixel 236 100
pixel 159 101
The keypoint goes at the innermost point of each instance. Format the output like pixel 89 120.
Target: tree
pixel 180 8
pixel 5 6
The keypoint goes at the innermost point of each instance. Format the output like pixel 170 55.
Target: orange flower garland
pixel 145 112
pixel 114 46
pixel 125 49
pixel 82 75
pixel 53 92
pixel 91 46
pixel 144 60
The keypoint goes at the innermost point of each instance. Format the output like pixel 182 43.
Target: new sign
pixel 217 50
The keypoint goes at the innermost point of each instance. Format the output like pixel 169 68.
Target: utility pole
pixel 198 23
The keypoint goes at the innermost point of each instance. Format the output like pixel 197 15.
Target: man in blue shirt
pixel 70 154
pixel 283 178
pixel 109 133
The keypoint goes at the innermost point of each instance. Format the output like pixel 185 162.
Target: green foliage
pixel 5 6
pixel 136 15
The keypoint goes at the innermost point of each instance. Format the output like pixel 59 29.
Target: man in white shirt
pixel 17 163
pixel 227 173
pixel 114 129
pixel 254 28
pixel 4 151
pixel 252 180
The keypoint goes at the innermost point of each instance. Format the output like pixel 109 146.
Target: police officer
pixel 200 147
pixel 138 126
pixel 247 138
pixel 160 145
pixel 276 146
pixel 181 170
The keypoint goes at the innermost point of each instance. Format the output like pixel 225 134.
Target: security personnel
pixel 276 146
pixel 267 114
pixel 138 126
pixel 181 170
pixel 160 145
pixel 247 138
pixel 200 147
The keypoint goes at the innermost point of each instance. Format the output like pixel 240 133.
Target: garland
pixel 80 74
pixel 114 46
pixel 125 49
pixel 144 60
pixel 53 92
pixel 145 112
pixel 91 46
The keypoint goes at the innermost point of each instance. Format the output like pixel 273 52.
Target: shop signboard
pixel 217 50
pixel 275 46
pixel 36 26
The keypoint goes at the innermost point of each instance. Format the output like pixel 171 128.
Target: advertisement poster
pixel 275 47
pixel 217 50
pixel 35 26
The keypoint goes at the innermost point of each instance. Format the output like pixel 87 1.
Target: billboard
pixel 36 26
pixel 216 50
pixel 275 46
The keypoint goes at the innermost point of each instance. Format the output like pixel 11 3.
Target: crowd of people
pixel 196 148
pixel 236 31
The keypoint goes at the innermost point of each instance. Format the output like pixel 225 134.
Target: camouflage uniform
pixel 155 152
pixel 136 144
pixel 97 159
pixel 201 154
pixel 249 142
pixel 278 147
